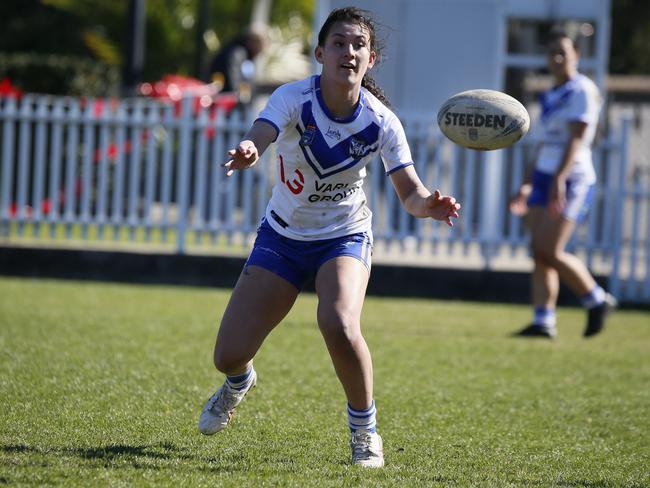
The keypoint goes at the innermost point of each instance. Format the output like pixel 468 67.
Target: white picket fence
pixel 136 171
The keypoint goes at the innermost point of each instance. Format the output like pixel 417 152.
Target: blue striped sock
pixel 363 419
pixel 241 381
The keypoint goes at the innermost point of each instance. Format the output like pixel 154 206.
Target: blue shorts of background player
pixel 297 261
pixel 578 196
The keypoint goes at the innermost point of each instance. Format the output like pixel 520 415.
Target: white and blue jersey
pixel 322 161
pixel 576 100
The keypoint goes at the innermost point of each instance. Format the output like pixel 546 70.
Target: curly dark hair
pixel 363 18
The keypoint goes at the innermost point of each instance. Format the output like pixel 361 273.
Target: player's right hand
pixel 243 156
pixel 519 203
pixel 442 207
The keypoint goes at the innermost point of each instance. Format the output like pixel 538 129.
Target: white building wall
pixel 436 48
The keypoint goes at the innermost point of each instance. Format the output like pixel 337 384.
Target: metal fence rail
pixel 135 171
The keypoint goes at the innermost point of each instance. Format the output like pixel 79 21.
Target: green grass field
pixel 102 385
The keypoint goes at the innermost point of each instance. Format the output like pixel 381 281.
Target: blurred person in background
pixel 233 68
pixel 557 195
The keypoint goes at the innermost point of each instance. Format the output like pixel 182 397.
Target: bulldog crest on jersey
pixel 308 136
pixel 358 147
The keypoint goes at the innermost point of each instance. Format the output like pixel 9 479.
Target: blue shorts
pixel 578 195
pixel 297 261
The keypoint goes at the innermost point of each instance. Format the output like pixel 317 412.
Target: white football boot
pixel 218 410
pixel 367 449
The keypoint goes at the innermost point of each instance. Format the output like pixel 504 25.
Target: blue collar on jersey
pixel 340 120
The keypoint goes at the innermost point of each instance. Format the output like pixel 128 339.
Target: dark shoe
pixel 535 330
pixel 597 315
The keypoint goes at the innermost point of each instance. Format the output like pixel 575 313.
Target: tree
pixel 88 36
pixel 630 39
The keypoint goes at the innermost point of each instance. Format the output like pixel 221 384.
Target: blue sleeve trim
pixel 272 124
pixel 404 165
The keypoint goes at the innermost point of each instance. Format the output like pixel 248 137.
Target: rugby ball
pixel 483 119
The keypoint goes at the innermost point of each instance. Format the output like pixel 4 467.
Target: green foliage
pixel 630 39
pixel 34 26
pixel 95 31
pixel 102 384
pixel 62 46
pixel 87 31
pixel 53 73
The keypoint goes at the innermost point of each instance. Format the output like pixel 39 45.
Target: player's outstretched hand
pixel 243 156
pixel 442 207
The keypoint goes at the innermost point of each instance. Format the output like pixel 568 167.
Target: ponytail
pixel 369 83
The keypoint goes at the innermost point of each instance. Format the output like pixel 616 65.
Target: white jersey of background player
pixel 558 194
pixel 318 191
pixel 576 100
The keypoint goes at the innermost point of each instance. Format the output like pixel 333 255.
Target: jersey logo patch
pixel 358 147
pixel 308 135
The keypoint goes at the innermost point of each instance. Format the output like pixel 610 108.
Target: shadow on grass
pixel 159 457
pixel 141 457
pixel 97 452
pixel 119 452
pixel 573 483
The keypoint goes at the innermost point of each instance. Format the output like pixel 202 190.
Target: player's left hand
pixel 442 207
